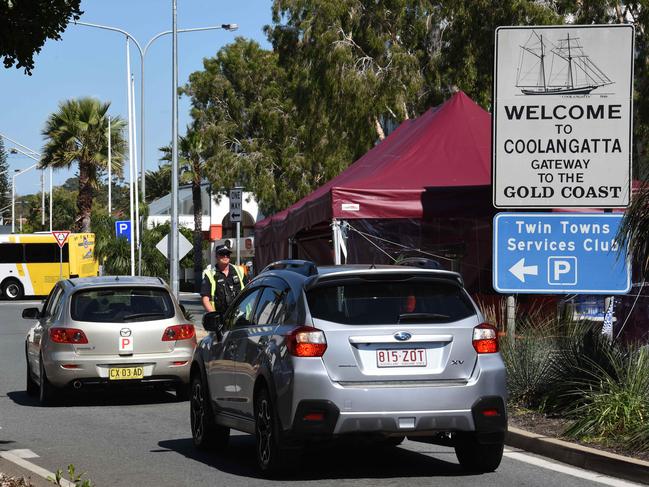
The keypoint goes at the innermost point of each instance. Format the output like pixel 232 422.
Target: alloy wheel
pixel 197 411
pixel 264 431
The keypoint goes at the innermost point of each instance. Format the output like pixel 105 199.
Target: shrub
pixel 611 401
pixel 578 352
pixel 528 357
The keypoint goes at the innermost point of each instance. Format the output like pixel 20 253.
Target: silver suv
pixel 311 353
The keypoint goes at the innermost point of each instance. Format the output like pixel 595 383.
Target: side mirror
pixel 31 313
pixel 213 321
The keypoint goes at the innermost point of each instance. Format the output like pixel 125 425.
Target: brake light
pixel 68 335
pixel 178 332
pixel 490 413
pixel 315 416
pixel 485 338
pixel 307 341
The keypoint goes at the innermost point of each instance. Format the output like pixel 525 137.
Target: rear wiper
pixel 409 317
pixel 142 315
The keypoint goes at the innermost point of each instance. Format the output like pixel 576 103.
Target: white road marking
pixel 41 472
pixel 568 470
pixel 23 453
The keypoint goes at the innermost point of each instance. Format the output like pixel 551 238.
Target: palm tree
pixel 634 231
pixel 77 132
pixel 158 183
pixel 190 151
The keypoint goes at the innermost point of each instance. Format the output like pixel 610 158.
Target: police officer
pixel 221 283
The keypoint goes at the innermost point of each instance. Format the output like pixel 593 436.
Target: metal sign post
pixel 235 216
pixel 61 236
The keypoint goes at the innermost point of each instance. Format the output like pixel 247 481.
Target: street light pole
pixel 173 240
pixel 13 195
pixel 175 31
pixel 110 174
pixel 132 177
pixel 32 154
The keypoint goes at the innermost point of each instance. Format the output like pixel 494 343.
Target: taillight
pixel 485 338
pixel 178 332
pixel 490 413
pixel 68 335
pixel 306 342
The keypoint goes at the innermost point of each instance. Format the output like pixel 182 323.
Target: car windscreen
pixel 122 304
pixel 361 302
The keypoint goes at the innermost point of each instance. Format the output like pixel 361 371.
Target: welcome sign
pixel 562 119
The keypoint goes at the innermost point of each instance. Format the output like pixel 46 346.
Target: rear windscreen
pixel 122 305
pixel 389 302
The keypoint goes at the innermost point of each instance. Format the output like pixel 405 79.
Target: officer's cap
pixel 222 250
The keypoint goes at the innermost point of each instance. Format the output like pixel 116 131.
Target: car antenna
pixel 117 278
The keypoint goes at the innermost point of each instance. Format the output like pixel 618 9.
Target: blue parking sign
pixel 123 229
pixel 559 253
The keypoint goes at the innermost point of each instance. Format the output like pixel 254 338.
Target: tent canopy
pixel 448 146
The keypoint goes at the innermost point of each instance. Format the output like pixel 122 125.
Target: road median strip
pixel 32 468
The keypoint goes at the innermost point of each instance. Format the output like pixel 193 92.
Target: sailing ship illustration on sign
pixel 561 68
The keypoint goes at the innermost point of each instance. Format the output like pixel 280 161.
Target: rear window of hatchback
pixel 122 305
pixel 416 300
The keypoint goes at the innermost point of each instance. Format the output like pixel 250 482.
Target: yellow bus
pixel 30 266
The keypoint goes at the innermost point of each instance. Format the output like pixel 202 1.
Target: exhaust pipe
pixel 77 384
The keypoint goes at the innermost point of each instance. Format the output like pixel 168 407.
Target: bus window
pixel 10 253
pixel 44 253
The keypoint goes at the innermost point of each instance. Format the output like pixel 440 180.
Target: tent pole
pixel 335 226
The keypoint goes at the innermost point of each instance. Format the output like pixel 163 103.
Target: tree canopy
pixel 343 73
pixel 25 25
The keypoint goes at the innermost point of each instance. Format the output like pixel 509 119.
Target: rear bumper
pixel 158 368
pixel 419 409
pixel 322 419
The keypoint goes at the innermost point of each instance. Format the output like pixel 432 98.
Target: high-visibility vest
pixel 210 273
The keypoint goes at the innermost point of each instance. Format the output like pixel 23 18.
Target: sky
pixel 92 62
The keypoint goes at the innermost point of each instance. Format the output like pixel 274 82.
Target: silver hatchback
pixel 311 353
pixel 108 331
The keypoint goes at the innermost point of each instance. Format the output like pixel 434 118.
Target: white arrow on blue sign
pixel 559 253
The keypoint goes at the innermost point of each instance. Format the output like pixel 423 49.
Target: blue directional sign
pixel 558 253
pixel 123 229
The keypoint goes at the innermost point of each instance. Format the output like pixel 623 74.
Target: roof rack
pixel 303 267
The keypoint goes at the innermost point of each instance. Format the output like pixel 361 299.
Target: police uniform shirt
pixel 227 288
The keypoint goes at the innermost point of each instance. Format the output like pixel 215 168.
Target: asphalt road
pixel 144 439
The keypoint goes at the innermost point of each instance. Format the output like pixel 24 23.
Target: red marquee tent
pixel 432 165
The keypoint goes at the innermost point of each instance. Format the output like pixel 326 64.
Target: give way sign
pixel 61 236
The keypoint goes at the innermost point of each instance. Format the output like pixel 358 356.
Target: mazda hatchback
pixel 108 331
pixel 311 353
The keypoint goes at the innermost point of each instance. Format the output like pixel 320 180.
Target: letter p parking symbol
pixel 562 271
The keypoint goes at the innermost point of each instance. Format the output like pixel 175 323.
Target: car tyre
pixel 12 289
pixel 477 457
pixel 206 434
pixel 46 391
pixel 32 386
pixel 272 456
